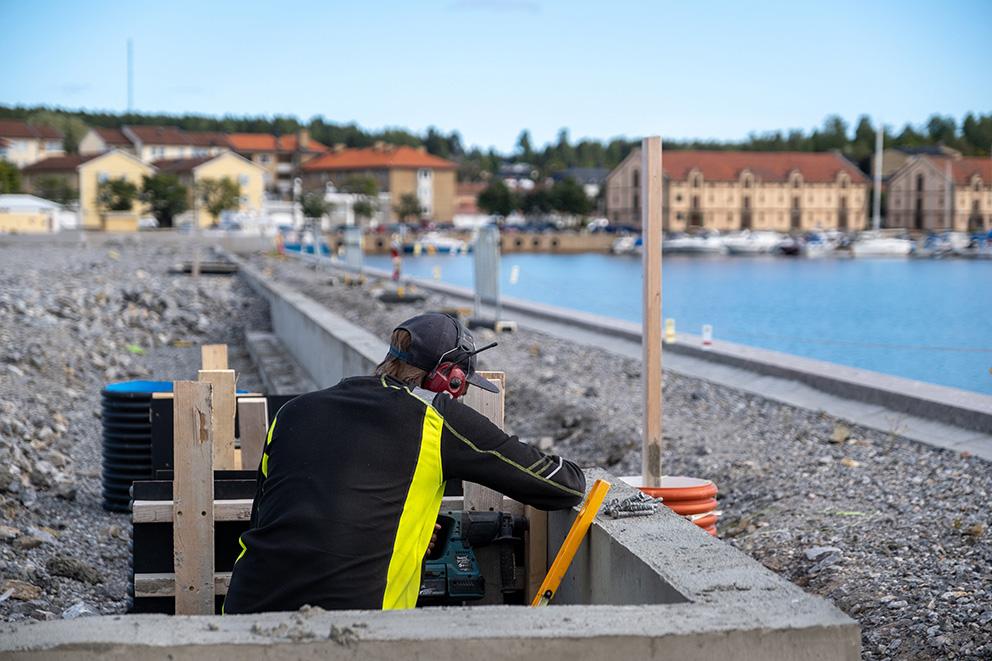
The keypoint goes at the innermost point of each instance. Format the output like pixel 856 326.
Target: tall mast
pixel 876 211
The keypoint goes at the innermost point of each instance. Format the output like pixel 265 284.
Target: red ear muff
pixel 449 378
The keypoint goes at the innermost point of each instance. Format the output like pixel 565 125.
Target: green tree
pixel 536 202
pixel 218 195
pixel 10 178
pixel 116 194
pixel 166 196
pixel 55 188
pixel 408 207
pixel 524 148
pixel 72 127
pixel 497 199
pixel 314 206
pixel 568 196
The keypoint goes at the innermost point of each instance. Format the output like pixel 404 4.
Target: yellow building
pixel 397 170
pixel 23 144
pixel 279 155
pixel 730 191
pixel 941 192
pixel 84 174
pixel 27 214
pixel 249 177
pixel 152 143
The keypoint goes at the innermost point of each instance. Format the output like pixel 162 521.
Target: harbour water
pixel 929 320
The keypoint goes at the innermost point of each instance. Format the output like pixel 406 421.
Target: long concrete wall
pixel 653 587
pixel 325 345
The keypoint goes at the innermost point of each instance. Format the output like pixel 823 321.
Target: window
pixel 747 181
pixel 919 182
pixel 680 216
pixel 678 197
pixel 843 182
pixel 53 145
pixel 697 180
pixel 635 178
pixel 244 200
pixel 976 186
pixel 264 159
pixel 102 177
pixel 243 180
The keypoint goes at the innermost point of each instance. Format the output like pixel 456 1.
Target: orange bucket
pixel 686 496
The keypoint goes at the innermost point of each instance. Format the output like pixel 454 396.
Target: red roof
pixel 389 157
pixel 207 139
pixel 255 142
pixel 765 166
pixel 159 135
pixel 175 165
pixel 59 163
pixel 963 169
pixel 113 137
pixel 15 128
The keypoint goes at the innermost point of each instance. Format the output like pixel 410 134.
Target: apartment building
pixel 191 171
pixel 735 190
pixel 397 171
pixel 280 156
pixel 153 143
pixel 941 192
pixel 23 144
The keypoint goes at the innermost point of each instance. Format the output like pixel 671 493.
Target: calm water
pixel 923 319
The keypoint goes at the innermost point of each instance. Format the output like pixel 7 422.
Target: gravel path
pixel 73 318
pixel 893 532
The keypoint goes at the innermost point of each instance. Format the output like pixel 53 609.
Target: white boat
pixel 752 243
pixel 945 244
pixel 819 244
pixel 627 244
pixel 437 243
pixel 704 243
pixel 877 244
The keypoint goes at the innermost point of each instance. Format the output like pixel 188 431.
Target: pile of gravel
pixel 895 533
pixel 72 319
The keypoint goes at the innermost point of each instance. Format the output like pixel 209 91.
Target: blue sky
pixel 489 68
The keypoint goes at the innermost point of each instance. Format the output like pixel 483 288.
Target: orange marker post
pixel 571 544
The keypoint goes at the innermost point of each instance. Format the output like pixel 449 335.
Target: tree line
pixel 972 136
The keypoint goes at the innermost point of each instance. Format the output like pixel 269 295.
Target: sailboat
pixel 876 243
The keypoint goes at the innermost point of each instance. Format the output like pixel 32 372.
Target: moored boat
pixel 752 242
pixel 703 243
pixel 877 244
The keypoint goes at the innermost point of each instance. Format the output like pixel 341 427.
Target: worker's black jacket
pixel 349 490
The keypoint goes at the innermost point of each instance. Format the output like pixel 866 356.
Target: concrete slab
pixel 279 371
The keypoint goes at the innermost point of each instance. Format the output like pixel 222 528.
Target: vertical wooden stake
pixel 253 421
pixel 489 404
pixel 651 233
pixel 213 356
pixel 537 549
pixel 193 499
pixel 223 403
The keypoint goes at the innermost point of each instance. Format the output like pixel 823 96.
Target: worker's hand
pixel 430 544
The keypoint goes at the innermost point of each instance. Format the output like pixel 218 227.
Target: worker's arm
pixel 474 449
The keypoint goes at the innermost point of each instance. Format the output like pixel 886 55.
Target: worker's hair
pixel 396 368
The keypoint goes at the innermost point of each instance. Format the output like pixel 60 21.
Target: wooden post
pixel 193 499
pixel 489 404
pixel 537 549
pixel 223 404
pixel 651 233
pixel 253 421
pixel 213 356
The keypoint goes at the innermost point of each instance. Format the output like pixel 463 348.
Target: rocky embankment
pixel 74 317
pixel 893 532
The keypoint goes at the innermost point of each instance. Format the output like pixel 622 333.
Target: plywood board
pixel 223 402
pixel 193 498
pixel 161 511
pixel 253 417
pixel 489 404
pixel 164 585
pixel 213 357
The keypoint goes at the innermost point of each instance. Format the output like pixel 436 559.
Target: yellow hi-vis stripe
pixel 265 451
pixel 423 501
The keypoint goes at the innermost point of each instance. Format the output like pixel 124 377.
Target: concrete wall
pixel 328 347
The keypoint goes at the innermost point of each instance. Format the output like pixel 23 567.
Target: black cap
pixel 436 337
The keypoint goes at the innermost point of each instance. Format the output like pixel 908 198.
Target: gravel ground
pixel 895 533
pixel 72 319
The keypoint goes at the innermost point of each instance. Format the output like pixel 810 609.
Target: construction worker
pixel 350 484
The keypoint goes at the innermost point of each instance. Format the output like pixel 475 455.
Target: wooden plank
pixel 651 231
pixel 253 420
pixel 164 585
pixel 213 357
pixel 224 403
pixel 489 404
pixel 161 511
pixel 536 551
pixel 193 497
